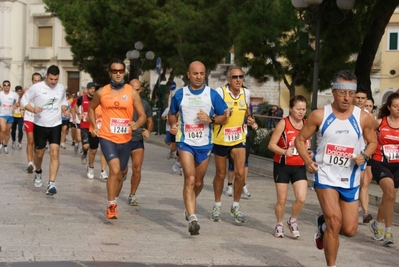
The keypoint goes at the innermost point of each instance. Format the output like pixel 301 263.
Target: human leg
pixel 137 156
pixel 279 207
pixel 365 181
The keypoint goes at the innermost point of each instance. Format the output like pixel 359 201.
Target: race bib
pixel 84 116
pixel 99 122
pixel 292 144
pixel 232 134
pixel 7 107
pixel 338 155
pixel 391 153
pixel 119 126
pixel 194 131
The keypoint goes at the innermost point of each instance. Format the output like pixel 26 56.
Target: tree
pixel 379 16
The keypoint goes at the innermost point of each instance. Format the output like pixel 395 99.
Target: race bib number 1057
pixel 338 155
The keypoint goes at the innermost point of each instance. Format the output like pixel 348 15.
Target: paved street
pixel 70 228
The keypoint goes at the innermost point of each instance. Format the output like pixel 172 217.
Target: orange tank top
pixel 117 112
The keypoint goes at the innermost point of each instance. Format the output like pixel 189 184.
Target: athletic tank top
pixel 117 107
pixel 287 140
pixel 338 140
pixel 84 123
pixel 192 131
pixel 232 132
pixel 388 143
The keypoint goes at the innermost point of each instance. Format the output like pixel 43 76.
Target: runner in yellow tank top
pixel 229 139
pixel 118 101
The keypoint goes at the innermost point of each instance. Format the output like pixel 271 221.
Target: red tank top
pixel 84 123
pixel 388 143
pixel 117 112
pixel 286 141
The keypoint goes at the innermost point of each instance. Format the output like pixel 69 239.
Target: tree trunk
pixel 365 59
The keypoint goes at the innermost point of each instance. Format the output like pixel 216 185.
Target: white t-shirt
pixel 49 99
pixel 29 116
pixel 7 102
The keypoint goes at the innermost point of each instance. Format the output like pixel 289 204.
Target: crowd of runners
pixel 354 145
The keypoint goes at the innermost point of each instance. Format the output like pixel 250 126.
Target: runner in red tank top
pixel 289 166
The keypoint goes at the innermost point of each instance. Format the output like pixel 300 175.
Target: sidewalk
pixel 264 166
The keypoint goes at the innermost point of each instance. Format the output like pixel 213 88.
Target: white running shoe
pixel 19 146
pixel 229 190
pixel 5 149
pixel 90 172
pixel 176 166
pixel 245 193
pixel 103 175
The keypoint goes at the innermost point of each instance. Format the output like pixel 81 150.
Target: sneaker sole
pixel 30 169
pixel 292 233
pixel 367 219
pixel 279 236
pixel 50 193
pixel 314 240
pixel 114 217
pixel 386 243
pixel 134 204
pixel 194 230
pixel 235 218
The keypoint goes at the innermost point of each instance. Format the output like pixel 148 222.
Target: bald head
pixel 136 85
pixel 196 74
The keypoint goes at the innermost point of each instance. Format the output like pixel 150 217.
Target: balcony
pixel 41 53
pixel 64 53
pixel 39 10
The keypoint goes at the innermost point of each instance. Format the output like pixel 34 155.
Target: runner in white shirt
pixel 28 125
pixel 49 101
pixel 8 102
pixel 340 128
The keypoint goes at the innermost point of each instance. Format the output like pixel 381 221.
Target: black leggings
pixel 20 123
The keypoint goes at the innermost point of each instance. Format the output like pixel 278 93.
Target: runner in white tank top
pixel 340 129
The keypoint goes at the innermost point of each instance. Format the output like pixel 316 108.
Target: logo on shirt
pixel 341 131
pixel 124 98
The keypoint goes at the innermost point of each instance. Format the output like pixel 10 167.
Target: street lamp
pixel 134 55
pixel 315 17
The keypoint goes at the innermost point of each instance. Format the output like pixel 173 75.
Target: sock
pixel 111 202
pixel 5 145
pixel 376 224
pixel 323 227
pixel 292 220
pixel 38 171
pixel 236 204
pixel 280 223
pixel 218 204
pixel 388 229
pixel 229 184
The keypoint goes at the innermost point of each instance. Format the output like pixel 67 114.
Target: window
pixel 46 36
pixel 393 41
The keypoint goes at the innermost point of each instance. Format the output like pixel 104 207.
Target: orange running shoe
pixel 112 211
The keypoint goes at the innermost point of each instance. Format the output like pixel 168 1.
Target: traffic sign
pixel 159 65
pixel 173 86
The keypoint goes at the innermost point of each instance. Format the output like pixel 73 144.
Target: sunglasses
pixel 235 77
pixel 6 84
pixel 113 71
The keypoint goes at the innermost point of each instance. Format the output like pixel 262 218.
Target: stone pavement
pixel 70 228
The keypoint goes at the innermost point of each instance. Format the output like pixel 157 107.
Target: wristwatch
pixel 366 158
pixel 212 119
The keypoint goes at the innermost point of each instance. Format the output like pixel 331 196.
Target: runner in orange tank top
pixel 118 102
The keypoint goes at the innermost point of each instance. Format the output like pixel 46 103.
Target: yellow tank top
pixel 232 132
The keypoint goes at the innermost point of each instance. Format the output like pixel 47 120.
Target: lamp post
pixel 317 14
pixel 316 17
pixel 134 55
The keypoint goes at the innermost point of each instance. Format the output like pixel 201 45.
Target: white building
pixel 30 41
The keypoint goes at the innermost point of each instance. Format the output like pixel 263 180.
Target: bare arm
pixel 311 126
pixel 91 112
pixel 275 137
pixel 138 106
